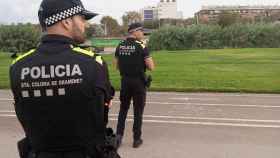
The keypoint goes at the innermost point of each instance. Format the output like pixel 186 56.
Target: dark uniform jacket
pixel 131 55
pixel 59 92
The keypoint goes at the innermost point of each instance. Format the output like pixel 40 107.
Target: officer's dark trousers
pixel 132 88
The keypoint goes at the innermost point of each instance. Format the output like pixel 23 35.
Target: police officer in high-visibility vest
pixel 60 89
pixel 132 60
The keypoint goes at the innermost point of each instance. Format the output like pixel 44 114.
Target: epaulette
pixel 83 51
pixel 23 56
pixel 99 59
pixel 90 53
pixel 122 42
pixel 141 43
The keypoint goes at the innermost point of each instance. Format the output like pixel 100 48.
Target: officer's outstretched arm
pixel 147 58
pixel 150 63
pixel 110 90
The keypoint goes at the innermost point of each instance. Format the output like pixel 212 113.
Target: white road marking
pixel 7 115
pixel 185 99
pixel 7 111
pixel 205 123
pixel 191 98
pixel 218 94
pixel 198 104
pixel 188 123
pixel 205 104
pixel 206 94
pixel 6 99
pixel 205 118
pixel 188 118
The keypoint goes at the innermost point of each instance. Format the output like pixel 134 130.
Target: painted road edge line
pixel 182 117
pixel 190 123
pixel 205 123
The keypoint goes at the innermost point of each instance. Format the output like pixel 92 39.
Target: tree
pixel 131 17
pixel 151 24
pixel 94 30
pixel 177 22
pixel 228 18
pixel 111 26
pixel 189 21
pixel 19 38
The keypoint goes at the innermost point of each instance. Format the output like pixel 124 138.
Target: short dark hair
pixel 135 27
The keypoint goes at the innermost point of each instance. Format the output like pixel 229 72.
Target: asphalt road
pixel 185 125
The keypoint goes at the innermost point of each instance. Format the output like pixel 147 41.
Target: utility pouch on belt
pixel 23 148
pixel 148 80
pixel 109 149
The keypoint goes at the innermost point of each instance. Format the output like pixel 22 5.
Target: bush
pixel 19 38
pixel 265 36
pixel 206 36
pixel 214 36
pixel 168 38
pixel 178 38
pixel 236 36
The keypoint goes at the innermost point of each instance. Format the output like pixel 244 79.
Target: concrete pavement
pixel 186 125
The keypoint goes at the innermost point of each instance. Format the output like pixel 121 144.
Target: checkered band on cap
pixel 63 15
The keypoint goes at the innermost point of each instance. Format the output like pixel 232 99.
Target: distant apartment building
pixel 210 14
pixel 165 9
pixel 149 13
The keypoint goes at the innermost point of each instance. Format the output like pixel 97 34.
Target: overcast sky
pixel 26 10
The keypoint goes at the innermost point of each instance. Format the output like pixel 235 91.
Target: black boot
pixel 137 143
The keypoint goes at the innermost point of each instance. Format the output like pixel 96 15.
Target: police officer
pixel 132 60
pixel 60 89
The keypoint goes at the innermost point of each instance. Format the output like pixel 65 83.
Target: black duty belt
pixel 64 154
pixel 133 77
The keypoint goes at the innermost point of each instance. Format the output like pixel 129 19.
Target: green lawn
pixel 224 70
pixel 4 70
pixel 105 42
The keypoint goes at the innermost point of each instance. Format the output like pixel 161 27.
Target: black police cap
pixel 53 11
pixel 135 27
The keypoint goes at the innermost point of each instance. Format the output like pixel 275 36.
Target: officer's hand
pixel 109 104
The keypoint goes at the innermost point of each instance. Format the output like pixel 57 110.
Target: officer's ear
pixel 67 24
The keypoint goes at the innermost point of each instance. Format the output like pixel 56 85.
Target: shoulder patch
pixel 83 51
pixel 23 56
pixel 99 59
pixel 122 42
pixel 141 43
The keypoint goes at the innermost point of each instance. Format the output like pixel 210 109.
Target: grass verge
pixel 223 70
